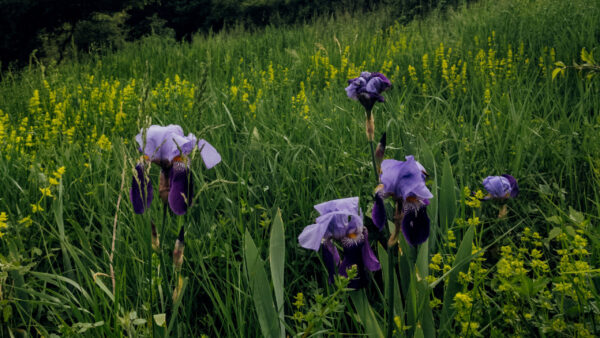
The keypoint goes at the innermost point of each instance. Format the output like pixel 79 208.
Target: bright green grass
pixel 293 141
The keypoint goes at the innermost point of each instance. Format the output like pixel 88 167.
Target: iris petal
pixel 331 258
pixel 378 214
pixel 180 194
pixel 210 155
pixel 415 226
pixel 368 256
pixel 137 191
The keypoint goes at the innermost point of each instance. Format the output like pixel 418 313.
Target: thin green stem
pixel 373 161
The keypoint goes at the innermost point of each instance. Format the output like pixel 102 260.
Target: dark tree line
pixel 52 29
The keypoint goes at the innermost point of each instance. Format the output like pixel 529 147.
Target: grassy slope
pixel 278 154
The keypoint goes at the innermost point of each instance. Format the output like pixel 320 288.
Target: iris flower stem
pixel 373 161
pixel 163 268
pixel 150 278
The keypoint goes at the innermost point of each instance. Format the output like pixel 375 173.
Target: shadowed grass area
pixel 472 85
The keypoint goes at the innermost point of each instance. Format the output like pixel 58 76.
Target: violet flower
pixel 501 187
pixel 169 148
pixel 367 88
pixel 404 181
pixel 341 220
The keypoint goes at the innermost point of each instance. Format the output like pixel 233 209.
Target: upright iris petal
pixel 501 187
pixel 404 179
pixel 415 226
pixel 165 143
pixel 209 154
pixel 180 194
pixel 141 193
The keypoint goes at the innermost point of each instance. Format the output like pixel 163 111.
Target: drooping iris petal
pixel 164 143
pixel 140 187
pixel 180 194
pixel 209 154
pixel 368 256
pixel 415 226
pixel 331 258
pixel 353 256
pixel 378 214
pixel 497 186
pixel 514 187
pixel 404 179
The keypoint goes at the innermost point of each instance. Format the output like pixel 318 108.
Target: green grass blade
pixel 447 197
pixel 277 260
pixel 366 314
pixel 463 256
pixel 261 293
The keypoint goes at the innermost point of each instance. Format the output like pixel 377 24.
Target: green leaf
pixel 365 313
pixel 555 72
pixel 261 292
pixel 554 219
pixel 447 199
pixel 383 259
pixel 277 260
pixel 461 263
pixel 554 232
pixel 586 57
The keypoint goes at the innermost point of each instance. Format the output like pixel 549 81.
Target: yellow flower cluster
pixel 3 224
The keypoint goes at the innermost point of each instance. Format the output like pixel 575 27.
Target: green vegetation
pixel 473 95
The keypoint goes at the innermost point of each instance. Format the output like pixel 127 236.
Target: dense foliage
pixel 55 29
pixel 474 93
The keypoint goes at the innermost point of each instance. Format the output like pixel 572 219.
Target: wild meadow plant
pixel 170 149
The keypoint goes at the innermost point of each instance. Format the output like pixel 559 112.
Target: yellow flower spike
pixel 52 181
pixel 26 221
pixel 36 208
pixel 46 192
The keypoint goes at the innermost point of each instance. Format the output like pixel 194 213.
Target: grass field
pixel 472 95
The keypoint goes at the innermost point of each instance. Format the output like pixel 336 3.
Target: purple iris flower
pixel 405 181
pixel 501 187
pixel 367 88
pixel 341 220
pixel 169 148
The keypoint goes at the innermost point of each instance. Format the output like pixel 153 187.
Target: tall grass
pixel 272 102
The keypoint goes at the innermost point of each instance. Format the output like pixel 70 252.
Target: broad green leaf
pixel 261 292
pixel 365 313
pixel 447 198
pixel 461 263
pixel 422 266
pixel 277 260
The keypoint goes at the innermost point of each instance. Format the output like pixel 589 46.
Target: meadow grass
pixel 472 87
